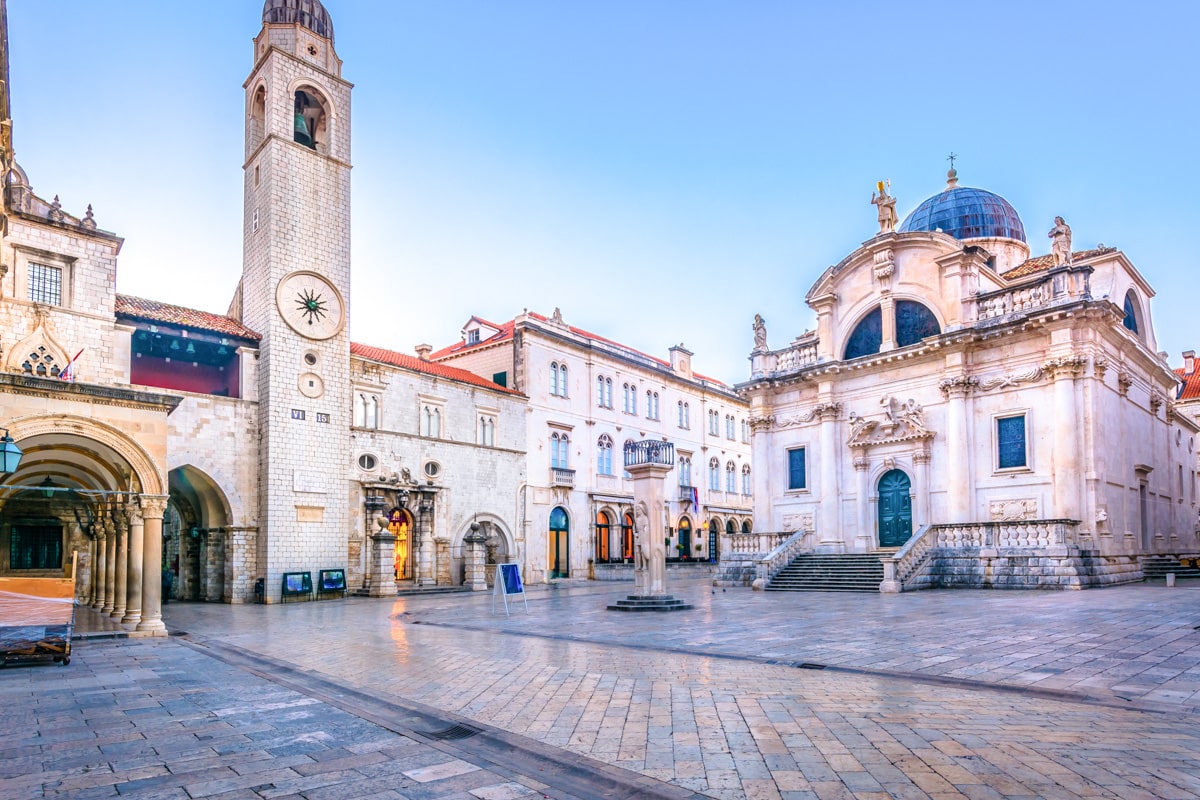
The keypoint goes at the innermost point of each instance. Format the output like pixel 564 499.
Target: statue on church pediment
pixel 900 420
pixel 887 207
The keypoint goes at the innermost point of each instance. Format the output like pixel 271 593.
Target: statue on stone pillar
pixel 760 333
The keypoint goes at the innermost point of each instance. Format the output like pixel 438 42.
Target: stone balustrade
pixel 751 542
pixel 795 358
pixel 908 567
pixel 1055 286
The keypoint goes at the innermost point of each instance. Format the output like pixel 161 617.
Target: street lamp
pixel 10 454
pixel 47 487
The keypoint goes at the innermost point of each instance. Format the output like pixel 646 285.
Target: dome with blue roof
pixel 308 13
pixel 966 213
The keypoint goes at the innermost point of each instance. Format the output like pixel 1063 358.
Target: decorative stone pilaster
pixel 424 538
pixel 1068 489
pixel 474 555
pixel 921 461
pixel 957 388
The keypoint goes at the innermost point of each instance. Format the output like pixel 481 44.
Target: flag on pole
pixel 695 499
pixel 68 374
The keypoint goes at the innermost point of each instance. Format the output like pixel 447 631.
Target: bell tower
pixel 295 288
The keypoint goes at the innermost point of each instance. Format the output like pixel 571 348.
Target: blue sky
pixel 661 171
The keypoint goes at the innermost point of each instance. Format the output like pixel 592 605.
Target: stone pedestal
pixel 649 531
pixel 474 554
pixel 381 566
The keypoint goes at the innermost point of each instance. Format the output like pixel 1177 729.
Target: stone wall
pixel 967 568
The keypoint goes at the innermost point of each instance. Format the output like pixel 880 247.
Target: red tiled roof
pixel 1191 384
pixel 1043 263
pixel 418 365
pixel 152 310
pixel 506 333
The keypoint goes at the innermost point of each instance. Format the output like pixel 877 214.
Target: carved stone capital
pixel 958 386
pixel 1099 367
pixel 861 463
pixel 153 505
pixel 762 423
pixel 1124 381
pixel 1156 401
pixel 1172 411
pixel 885 266
pixel 828 411
pixel 1064 367
pixel 922 457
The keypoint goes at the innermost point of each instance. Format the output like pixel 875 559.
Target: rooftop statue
pixel 1061 246
pixel 887 208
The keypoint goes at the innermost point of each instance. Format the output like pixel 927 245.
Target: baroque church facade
pixel 212 455
pixel 975 415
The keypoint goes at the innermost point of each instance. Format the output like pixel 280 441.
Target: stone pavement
pixel 923 695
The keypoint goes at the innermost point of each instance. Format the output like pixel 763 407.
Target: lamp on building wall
pixel 47 487
pixel 10 454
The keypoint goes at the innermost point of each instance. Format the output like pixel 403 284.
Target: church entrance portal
pixel 895 509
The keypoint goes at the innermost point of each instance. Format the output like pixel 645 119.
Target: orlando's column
pixel 649 462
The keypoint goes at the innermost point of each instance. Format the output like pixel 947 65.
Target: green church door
pixel 895 509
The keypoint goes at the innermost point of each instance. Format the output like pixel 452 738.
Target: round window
pixel 368 461
pixel 432 469
pixel 310 358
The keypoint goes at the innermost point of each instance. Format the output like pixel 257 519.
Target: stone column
pixel 958 487
pixel 475 546
pixel 381 564
pixel 110 565
pixel 99 548
pixel 887 309
pixel 133 592
pixel 1065 451
pixel 649 531
pixel 862 474
pixel 120 576
pixel 153 507
pixel 829 528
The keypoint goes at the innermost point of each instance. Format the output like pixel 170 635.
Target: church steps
pixel 840 572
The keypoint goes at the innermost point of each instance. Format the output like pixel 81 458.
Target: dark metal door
pixel 895 509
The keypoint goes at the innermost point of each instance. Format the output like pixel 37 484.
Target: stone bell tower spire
pixel 295 287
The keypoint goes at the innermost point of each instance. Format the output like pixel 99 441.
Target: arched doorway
pixel 685 536
pixel 627 537
pixel 895 509
pixel 400 526
pixel 194 528
pixel 603 529
pixel 560 544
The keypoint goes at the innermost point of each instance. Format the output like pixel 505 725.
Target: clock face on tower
pixel 310 305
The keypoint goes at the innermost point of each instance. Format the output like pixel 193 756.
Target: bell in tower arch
pixel 300 129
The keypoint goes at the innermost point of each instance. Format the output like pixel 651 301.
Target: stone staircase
pixel 841 572
pixel 1157 567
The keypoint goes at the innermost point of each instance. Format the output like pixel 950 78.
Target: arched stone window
pixel 746 479
pixel 746 527
pixel 714 475
pixel 914 322
pixel 867 336
pixel 1132 313
pixel 258 117
pixel 730 478
pixel 604 448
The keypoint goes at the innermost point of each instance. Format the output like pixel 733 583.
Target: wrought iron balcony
pixel 649 451
pixel 562 477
